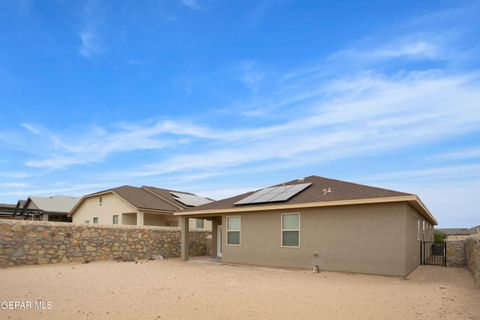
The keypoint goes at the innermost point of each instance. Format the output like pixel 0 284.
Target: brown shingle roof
pixel 165 193
pixel 341 190
pixel 146 197
pixel 141 198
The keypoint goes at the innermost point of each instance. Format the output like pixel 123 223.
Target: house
pixel 314 221
pixel 127 205
pixel 53 208
pixel 18 212
pixel 459 233
pixel 7 212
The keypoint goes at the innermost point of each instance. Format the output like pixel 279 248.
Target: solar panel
pixel 287 194
pixel 189 199
pixel 274 194
pixel 255 196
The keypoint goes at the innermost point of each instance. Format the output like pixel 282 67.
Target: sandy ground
pixel 172 289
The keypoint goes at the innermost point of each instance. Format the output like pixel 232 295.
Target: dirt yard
pixel 172 289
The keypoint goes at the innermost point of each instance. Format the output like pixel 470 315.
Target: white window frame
pixel 100 201
pixel 228 230
pixel 282 230
pixel 93 220
pixel 113 219
pixel 197 222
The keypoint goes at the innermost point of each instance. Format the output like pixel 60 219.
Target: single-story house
pixel 128 205
pixel 53 208
pixel 458 233
pixel 315 221
pixel 7 212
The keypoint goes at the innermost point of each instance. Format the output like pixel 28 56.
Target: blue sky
pixel 221 97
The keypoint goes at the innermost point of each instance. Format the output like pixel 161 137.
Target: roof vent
pixel 301 179
pixel 326 191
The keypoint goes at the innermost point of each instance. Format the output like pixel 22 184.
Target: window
pixel 100 201
pixel 199 223
pixel 95 220
pixel 115 219
pixel 87 221
pixel 418 231
pixel 291 230
pixel 171 223
pixel 233 231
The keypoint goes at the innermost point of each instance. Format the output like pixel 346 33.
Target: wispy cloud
pixel 192 4
pixel 467 153
pixel 90 41
pixel 250 74
pixel 97 144
pixel 80 189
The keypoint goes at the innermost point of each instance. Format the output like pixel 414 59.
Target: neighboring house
pixel 457 233
pixel 54 208
pixel 315 221
pixel 127 205
pixel 7 212
pixel 18 212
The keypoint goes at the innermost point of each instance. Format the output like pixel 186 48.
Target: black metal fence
pixel 433 253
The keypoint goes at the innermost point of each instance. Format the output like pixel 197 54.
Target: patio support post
pixel 184 235
pixel 140 218
pixel 215 223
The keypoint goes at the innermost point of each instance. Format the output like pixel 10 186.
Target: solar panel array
pixel 274 194
pixel 189 199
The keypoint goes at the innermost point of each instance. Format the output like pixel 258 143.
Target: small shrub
pixel 438 237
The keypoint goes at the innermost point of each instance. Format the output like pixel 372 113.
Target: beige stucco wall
pixel 362 238
pixel 412 245
pixel 111 205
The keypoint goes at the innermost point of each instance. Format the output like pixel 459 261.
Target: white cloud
pixel 192 4
pixel 97 144
pixel 468 153
pixel 89 43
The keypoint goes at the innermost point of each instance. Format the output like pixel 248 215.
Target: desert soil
pixel 172 289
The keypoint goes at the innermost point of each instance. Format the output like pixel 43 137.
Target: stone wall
pixel 455 253
pixel 472 250
pixel 36 242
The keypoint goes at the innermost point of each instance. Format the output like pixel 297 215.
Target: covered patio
pixel 217 235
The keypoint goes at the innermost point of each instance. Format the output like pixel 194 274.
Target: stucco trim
pixel 413 200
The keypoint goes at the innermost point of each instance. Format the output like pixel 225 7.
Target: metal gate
pixel 433 253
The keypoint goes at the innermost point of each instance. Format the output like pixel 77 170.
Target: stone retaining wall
pixel 472 250
pixel 36 242
pixel 455 253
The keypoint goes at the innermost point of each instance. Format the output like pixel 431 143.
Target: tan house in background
pixel 127 205
pixel 315 221
pixel 53 208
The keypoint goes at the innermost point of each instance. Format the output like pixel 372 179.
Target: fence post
pixel 445 254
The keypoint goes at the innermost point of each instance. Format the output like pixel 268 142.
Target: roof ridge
pixel 169 190
pixel 357 184
pixel 146 188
